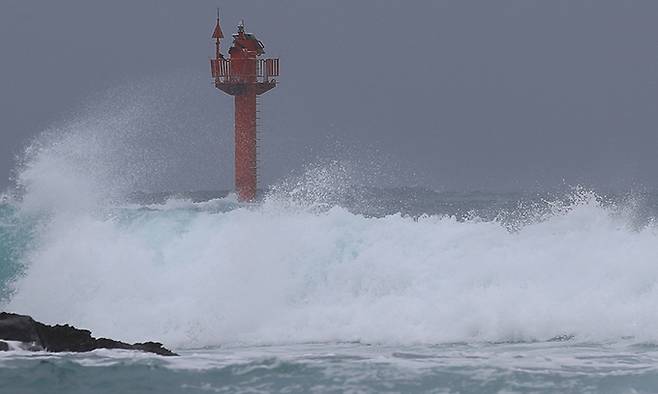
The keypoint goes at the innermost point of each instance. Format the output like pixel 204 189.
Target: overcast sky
pixel 450 95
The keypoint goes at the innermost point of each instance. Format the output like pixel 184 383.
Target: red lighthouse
pixel 244 75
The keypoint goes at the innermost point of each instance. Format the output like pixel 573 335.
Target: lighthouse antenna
pixel 217 35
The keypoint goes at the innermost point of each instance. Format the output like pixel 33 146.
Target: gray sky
pixel 446 94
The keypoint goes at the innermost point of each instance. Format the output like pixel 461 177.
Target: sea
pixel 329 282
pixel 369 290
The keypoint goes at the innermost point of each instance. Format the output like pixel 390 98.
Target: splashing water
pixel 202 274
pixel 319 259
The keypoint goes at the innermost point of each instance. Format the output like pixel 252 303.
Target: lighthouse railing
pixel 244 70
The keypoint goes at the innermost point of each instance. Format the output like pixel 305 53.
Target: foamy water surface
pixel 325 284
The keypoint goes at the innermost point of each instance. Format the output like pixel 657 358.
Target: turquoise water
pixel 16 234
pixel 483 368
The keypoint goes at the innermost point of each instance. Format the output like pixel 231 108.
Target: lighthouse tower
pixel 244 75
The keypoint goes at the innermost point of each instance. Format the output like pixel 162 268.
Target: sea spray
pixel 272 273
pixel 316 260
pixel 148 135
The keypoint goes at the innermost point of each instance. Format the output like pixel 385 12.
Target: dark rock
pixel 112 344
pixel 4 346
pixel 18 328
pixel 154 347
pixel 562 338
pixel 64 338
pixel 149 347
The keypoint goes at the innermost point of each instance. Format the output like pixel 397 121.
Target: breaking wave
pixel 290 270
pixel 212 273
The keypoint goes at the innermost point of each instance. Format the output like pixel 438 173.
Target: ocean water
pixel 379 290
pixel 325 284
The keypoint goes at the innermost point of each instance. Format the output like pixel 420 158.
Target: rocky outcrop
pixel 63 338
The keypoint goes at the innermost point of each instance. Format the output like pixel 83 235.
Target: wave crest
pixel 273 274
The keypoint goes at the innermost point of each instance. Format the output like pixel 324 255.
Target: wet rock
pixel 562 338
pixel 4 346
pixel 149 347
pixel 18 328
pixel 64 338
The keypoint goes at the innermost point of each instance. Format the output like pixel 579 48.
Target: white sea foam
pixel 296 268
pixel 277 274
